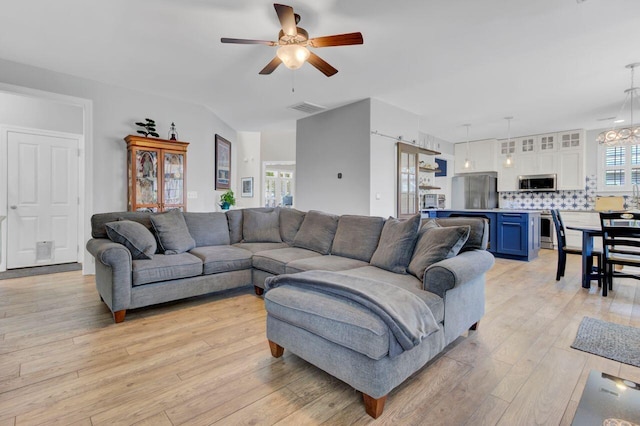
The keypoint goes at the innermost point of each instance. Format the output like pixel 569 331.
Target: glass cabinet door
pixel 173 180
pixel 146 180
pixel 407 182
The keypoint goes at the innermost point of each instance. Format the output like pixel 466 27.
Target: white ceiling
pixel 552 64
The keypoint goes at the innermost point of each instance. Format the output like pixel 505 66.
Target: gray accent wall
pixel 328 143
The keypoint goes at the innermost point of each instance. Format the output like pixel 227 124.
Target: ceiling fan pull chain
pixel 293 81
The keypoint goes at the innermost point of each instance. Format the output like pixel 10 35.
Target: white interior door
pixel 42 198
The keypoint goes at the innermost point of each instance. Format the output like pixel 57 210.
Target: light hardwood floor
pixel 206 360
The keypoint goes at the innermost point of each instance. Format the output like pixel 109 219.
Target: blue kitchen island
pixel 513 234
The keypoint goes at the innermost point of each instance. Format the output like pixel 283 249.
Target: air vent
pixel 307 108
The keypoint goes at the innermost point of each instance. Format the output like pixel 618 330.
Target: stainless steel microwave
pixel 530 183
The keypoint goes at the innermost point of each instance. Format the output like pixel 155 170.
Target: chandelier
pixel 625 135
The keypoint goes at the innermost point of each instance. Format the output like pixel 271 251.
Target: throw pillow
pixel 436 243
pixel 261 227
pixel 208 229
pixel 234 217
pixel 134 236
pixel 357 236
pixel 290 221
pixel 172 232
pixel 396 244
pixel 317 231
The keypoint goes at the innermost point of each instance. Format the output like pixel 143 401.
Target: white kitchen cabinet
pixel 547 163
pixel 572 139
pixel 571 170
pixel 547 142
pixel 526 145
pixel 507 179
pixel 482 154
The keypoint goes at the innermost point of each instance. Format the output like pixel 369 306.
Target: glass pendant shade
pixel 293 55
pixel 626 135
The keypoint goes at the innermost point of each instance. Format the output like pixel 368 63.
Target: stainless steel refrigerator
pixel 474 192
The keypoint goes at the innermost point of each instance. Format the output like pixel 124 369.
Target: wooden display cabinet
pixel 156 170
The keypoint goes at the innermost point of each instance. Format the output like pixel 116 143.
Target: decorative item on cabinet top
pixel 149 127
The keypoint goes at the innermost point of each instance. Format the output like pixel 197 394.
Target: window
pixel 619 167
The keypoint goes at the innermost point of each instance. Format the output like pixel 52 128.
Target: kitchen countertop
pixel 521 211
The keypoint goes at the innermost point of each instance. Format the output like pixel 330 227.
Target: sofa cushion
pixel 208 229
pixel 436 243
pixel 234 217
pixel 261 227
pixel 275 261
pixel 406 281
pixel 290 221
pixel 256 247
pixel 134 236
pixel 316 232
pixel 340 321
pixel 323 263
pixel 172 232
pixel 164 268
pixel 479 230
pixel 99 221
pixel 357 236
pixel 396 244
pixel 218 259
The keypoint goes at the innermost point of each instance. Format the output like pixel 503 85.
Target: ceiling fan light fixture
pixel 293 56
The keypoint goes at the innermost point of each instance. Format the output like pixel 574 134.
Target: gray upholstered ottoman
pixel 347 340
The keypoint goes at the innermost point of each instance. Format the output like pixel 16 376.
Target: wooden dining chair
pixel 620 246
pixel 563 250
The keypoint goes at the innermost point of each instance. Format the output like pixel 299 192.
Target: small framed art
pixel 247 187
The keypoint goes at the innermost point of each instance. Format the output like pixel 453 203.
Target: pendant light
pixel 467 161
pixel 508 162
pixel 625 135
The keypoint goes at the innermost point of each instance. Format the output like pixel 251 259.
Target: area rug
pixel 614 341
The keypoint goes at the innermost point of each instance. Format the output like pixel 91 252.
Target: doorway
pixel 56 116
pixel 42 197
pixel 278 181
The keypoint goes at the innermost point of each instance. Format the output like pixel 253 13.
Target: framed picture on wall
pixel 223 163
pixel 247 187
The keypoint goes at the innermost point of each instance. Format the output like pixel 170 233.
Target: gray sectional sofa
pixel 306 262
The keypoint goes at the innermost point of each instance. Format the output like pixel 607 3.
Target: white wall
pixel 278 146
pixel 328 143
pixel 248 165
pixel 114 111
pixel 35 113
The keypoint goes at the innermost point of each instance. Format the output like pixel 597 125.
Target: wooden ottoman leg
pixel 118 316
pixel 259 290
pixel 276 349
pixel 374 406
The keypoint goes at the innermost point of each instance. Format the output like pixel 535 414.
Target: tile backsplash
pixel 564 200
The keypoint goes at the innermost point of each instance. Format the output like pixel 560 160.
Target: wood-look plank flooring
pixel 206 361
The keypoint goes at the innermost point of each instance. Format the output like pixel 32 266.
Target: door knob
pixel 13 207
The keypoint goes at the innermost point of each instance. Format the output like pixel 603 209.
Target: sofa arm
pixel 450 273
pixel 113 272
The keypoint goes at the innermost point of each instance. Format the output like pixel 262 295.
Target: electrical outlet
pixel 192 194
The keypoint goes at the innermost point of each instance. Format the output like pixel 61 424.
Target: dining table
pixel 588 233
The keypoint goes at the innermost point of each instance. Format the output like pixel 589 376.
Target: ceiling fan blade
pixel 247 41
pixel 321 65
pixel 337 40
pixel 287 19
pixel 271 66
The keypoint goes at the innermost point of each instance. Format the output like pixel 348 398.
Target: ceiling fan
pixel 293 43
